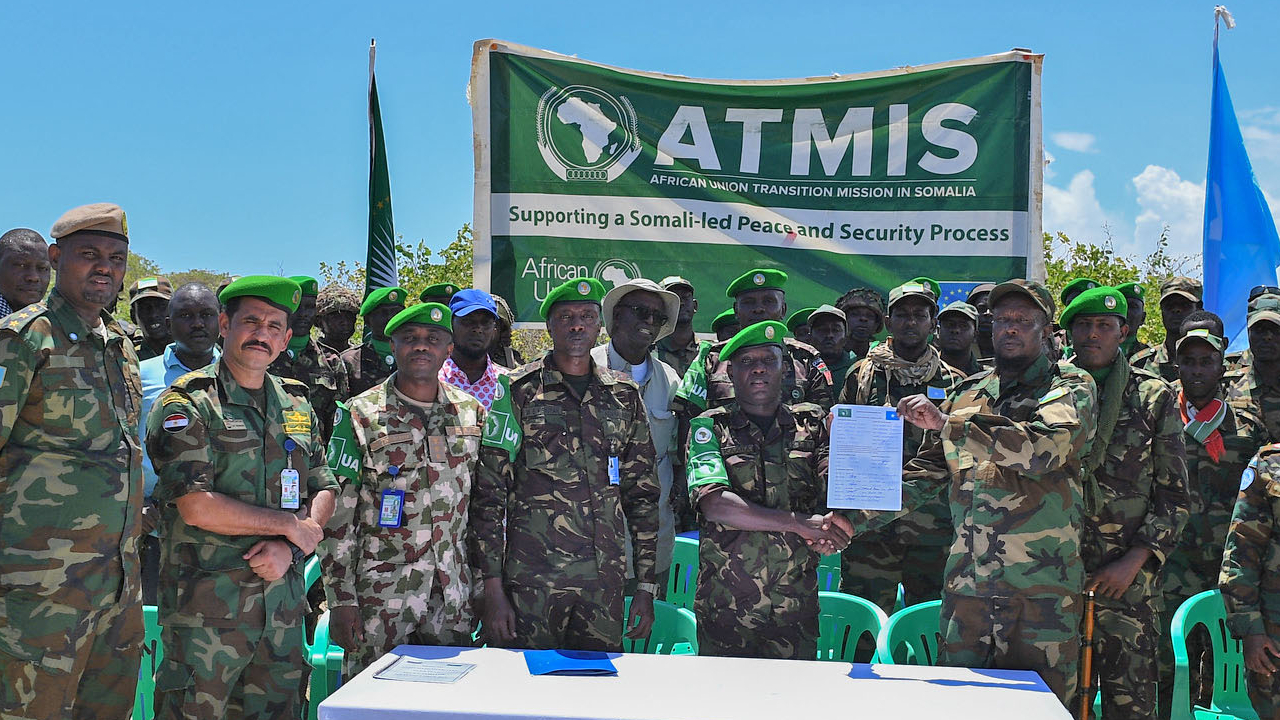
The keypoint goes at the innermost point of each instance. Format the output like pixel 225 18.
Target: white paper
pixel 412 669
pixel 865 467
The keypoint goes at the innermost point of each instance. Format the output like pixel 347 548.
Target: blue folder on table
pixel 569 662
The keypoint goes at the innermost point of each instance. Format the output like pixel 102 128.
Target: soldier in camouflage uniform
pixel 680 347
pixel 1256 386
pixel 1179 297
pixel 1008 447
pixel 913 549
pixel 245 490
pixel 149 307
pixel 396 560
pixel 758 481
pixel 1220 440
pixel 1250 579
pixel 957 330
pixel 1137 503
pixel 24 269
pixel 336 311
pixel 71 486
pixel 863 309
pixel 307 362
pixel 1134 294
pixel 567 460
pixel 372 362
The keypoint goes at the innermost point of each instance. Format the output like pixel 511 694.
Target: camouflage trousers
pixel 567 619
pixel 1199 657
pixel 786 630
pixel 1264 692
pixel 76 665
pixel 1021 632
pixel 1126 641
pixel 411 620
pixel 230 673
pixel 872 566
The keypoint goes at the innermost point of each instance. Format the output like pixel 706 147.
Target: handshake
pixel 826 534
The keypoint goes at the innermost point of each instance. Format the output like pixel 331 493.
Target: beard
pixel 1013 365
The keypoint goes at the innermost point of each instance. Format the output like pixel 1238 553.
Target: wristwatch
pixel 298 555
pixel 651 588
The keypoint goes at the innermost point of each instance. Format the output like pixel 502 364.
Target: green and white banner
pixel 842 181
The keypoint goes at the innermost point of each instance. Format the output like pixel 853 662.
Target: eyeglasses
pixel 1263 290
pixel 657 317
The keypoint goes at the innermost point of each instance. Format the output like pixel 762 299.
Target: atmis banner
pixel 842 181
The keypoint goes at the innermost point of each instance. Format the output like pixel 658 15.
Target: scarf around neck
pixel 904 371
pixel 1204 426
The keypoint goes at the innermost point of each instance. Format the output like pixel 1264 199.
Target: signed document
pixel 865 467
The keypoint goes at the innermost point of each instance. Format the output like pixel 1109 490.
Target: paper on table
pixel 864 471
pixel 412 669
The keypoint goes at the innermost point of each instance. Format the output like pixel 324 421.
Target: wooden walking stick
pixel 1086 664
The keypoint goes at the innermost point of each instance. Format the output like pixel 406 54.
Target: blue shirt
pixel 157 374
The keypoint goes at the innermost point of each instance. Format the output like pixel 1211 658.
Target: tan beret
pixel 99 218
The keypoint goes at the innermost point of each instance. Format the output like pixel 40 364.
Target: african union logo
pixel 616 271
pixel 586 134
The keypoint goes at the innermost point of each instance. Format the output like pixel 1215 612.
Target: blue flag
pixel 1241 249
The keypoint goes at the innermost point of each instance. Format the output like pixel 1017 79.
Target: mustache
pixel 254 343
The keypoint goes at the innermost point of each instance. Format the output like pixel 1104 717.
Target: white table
pixel 662 687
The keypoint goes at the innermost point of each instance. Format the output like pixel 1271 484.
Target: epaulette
pixel 807 408
pixel 19 320
pixel 294 387
pixel 1268 450
pixel 533 367
pixel 1145 374
pixel 194 380
pixel 795 344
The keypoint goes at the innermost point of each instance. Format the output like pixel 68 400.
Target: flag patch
pixel 176 422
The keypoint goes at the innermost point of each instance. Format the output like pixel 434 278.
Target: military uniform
pixel 1009 455
pixel 840 371
pixel 410 575
pixel 581 469
pixel 757 592
pixel 913 549
pixel 71 497
pixel 1250 578
pixel 324 375
pixel 805 378
pixel 1246 391
pixel 367 366
pixel 679 358
pixel 1156 359
pixel 233 643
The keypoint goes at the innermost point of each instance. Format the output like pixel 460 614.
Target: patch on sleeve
pixel 170 398
pixel 1246 477
pixel 175 422
pixel 1052 395
pixel 297 423
pixel 2 372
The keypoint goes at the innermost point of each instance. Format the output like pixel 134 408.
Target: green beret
pixel 281 292
pixel 1077 285
pixel 383 296
pixel 934 287
pixel 1131 290
pixel 758 279
pixel 723 319
pixel 438 290
pixel 769 332
pixel 1201 335
pixel 423 314
pixel 1101 300
pixel 308 284
pixel 799 317
pixel 581 289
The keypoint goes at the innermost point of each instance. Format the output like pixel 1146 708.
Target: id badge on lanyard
pixel 290 490
pixel 391 514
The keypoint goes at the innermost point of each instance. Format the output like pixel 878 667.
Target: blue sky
pixel 235 134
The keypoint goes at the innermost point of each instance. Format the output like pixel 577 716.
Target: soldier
pixel 980 299
pixel 758 481
pixel 71 486
pixel 24 269
pixel 1250 579
pixel 1257 385
pixel 829 329
pixel 245 490
pixel 798 324
pixel 957 328
pixel 1133 294
pixel 637 314
pixel 725 325
pixel 1179 297
pixel 567 461
pixel 864 314
pixel 305 361
pixel 395 564
pixel 1073 288
pixel 440 293
pixel 336 311
pixel 1008 447
pixel 913 549
pixel 680 347
pixel 1136 502
pixel 503 353
pixel 372 362
pixel 1220 440
pixel 149 309
pixel 930 283
pixel 470 368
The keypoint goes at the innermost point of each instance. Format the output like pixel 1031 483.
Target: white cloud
pixel 1077 141
pixel 1166 199
pixel 1075 210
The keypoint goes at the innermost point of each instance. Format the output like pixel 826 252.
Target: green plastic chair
pixel 910 637
pixel 682 581
pixel 1230 698
pixel 842 621
pixel 829 573
pixel 675 631
pixel 324 658
pixel 152 654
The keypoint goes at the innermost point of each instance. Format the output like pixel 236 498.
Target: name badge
pixel 936 393
pixel 392 509
pixel 290 494
pixel 439 448
pixel 615 476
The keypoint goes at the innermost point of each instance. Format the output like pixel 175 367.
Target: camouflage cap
pixel 912 289
pixel 1201 335
pixel 278 291
pixel 930 283
pixel 978 290
pixel 723 319
pixel 383 296
pixel 337 298
pixel 1096 301
pixel 671 281
pixel 1266 308
pixel 433 314
pixel 1186 287
pixel 1075 286
pixel 799 317
pixel 105 219
pixel 579 289
pixel 1132 291
pixel 1263 300
pixel 769 332
pixel 758 279
pixel 827 311
pixel 1032 290
pixel 151 287
pixel 862 297
pixel 444 290
pixel 962 308
pixel 504 310
pixel 308 284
